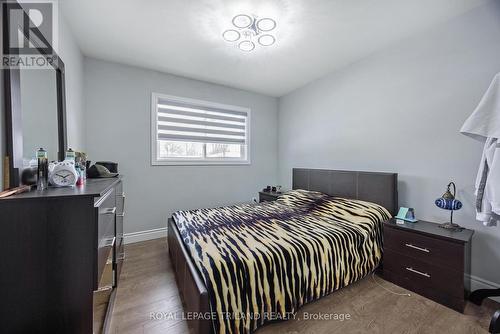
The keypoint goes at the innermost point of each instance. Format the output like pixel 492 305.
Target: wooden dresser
pixel 428 260
pixel 62 253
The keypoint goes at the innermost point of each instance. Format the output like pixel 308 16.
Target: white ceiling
pixel 314 37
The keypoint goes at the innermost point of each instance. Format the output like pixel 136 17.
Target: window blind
pixel 192 122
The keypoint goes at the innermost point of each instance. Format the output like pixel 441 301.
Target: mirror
pixel 35 107
pixel 38 113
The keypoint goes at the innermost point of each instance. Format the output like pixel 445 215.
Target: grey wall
pixel 400 110
pixel 70 53
pixel 118 107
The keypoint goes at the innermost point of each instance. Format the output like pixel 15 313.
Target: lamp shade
pixel 448 203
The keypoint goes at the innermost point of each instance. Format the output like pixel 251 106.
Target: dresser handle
pixel 121 215
pixel 418 272
pixel 105 288
pixel 109 242
pixel 418 248
pixel 110 211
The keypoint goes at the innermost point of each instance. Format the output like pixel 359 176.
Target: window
pixel 189 132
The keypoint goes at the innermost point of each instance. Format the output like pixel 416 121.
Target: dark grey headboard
pixel 380 188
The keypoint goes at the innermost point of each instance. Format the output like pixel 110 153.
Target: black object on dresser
pixel 62 253
pixel 268 196
pixel 428 260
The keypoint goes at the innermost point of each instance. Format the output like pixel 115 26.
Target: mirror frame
pixel 13 161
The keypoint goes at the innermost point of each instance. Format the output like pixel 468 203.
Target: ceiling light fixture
pixel 246 46
pixel 266 24
pixel 266 40
pixel 242 21
pixel 250 31
pixel 231 35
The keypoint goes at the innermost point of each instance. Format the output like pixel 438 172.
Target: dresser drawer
pixel 101 299
pixel 107 278
pixel 424 275
pixel 430 250
pixel 120 248
pixel 456 303
pixel 120 215
pixel 120 199
pixel 104 254
pixel 106 212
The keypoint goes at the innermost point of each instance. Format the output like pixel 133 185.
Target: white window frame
pixel 155 161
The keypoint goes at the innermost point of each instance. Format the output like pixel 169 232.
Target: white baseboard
pixel 480 283
pixel 156 233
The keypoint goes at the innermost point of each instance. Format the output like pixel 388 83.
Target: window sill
pixel 198 163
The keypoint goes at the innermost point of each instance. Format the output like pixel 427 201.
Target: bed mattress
pixel 262 262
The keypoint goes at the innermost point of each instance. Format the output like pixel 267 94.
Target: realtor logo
pixel 30 27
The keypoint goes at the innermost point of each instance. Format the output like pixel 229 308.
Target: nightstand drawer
pixel 431 250
pixel 268 197
pixel 426 276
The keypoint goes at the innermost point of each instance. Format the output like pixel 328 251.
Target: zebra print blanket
pixel 262 262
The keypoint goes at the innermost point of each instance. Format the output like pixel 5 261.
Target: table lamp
pixel 449 202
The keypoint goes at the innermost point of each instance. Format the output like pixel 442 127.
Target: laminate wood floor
pixel 147 297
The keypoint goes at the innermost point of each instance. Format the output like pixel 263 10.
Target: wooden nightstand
pixel 265 196
pixel 429 260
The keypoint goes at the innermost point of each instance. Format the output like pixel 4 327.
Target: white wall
pixel 400 110
pixel 118 107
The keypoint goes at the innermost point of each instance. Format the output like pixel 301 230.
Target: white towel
pixel 485 120
pixel 484 125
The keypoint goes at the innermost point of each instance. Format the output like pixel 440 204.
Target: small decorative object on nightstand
pixel 449 202
pixel 406 214
pixel 428 260
pixel 268 196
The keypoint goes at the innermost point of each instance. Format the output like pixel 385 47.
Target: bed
pixel 240 267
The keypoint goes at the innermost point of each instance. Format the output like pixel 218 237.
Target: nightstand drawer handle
pixel 418 272
pixel 418 248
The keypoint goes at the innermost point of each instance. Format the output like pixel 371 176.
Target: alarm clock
pixel 63 174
